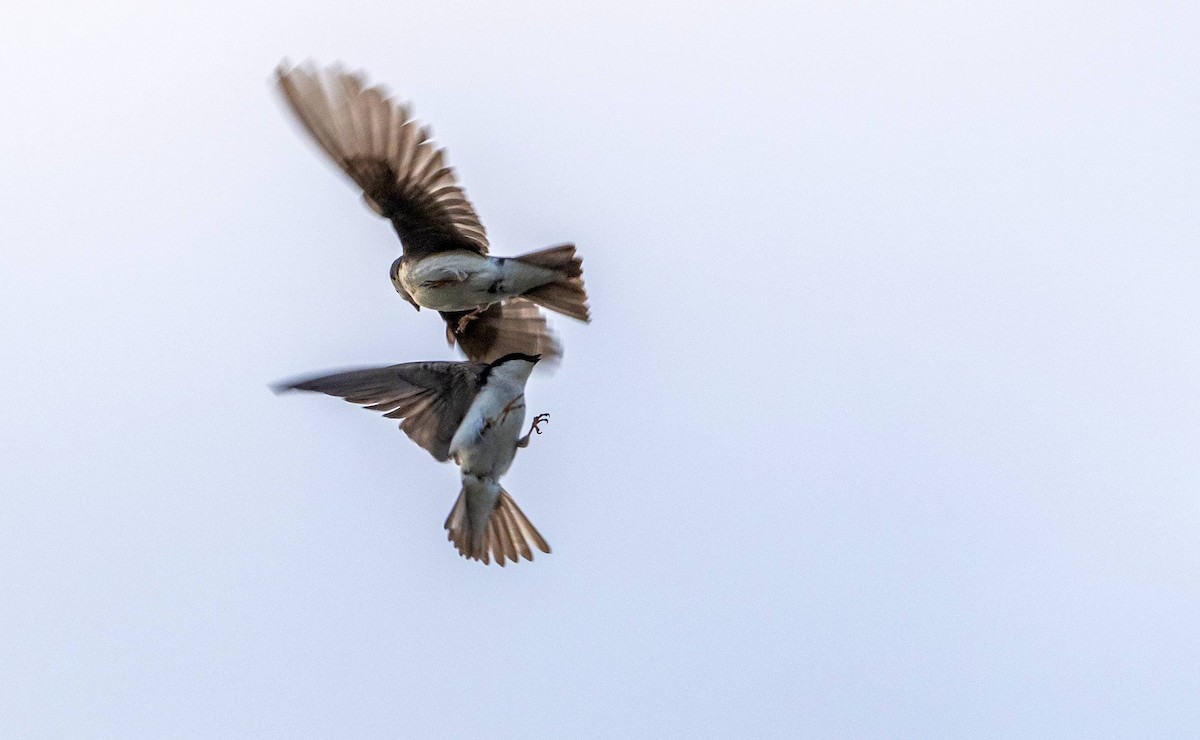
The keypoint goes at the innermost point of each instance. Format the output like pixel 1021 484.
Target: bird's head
pixel 516 357
pixel 395 275
pixel 514 365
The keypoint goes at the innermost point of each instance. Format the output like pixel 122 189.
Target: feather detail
pixel 507 534
pixel 512 326
pixel 566 294
pixel 373 139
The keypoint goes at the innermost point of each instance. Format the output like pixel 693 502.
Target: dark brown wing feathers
pixel 431 397
pixel 513 326
pixel 375 141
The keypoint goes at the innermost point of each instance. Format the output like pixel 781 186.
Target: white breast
pixel 486 441
pixel 464 281
pixel 450 281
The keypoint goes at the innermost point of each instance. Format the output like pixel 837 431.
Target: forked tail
pixel 566 295
pixel 506 534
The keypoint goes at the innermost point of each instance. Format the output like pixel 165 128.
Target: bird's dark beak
pixel 536 358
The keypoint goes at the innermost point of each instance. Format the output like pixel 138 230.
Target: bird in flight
pixel 489 303
pixel 468 412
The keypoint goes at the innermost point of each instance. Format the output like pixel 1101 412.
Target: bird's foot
pixel 466 320
pixel 534 427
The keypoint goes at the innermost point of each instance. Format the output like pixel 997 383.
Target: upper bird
pixel 487 302
pixel 470 413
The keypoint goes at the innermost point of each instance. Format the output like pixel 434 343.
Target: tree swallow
pixel 468 412
pixel 486 301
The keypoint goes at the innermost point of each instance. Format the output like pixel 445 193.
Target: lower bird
pixel 468 412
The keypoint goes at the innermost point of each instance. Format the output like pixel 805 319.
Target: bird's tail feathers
pixel 561 258
pixel 566 294
pixel 507 534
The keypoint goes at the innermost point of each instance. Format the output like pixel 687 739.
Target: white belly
pixel 464 281
pixel 486 441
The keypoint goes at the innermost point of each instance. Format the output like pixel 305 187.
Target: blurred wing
pixel 392 159
pixel 516 325
pixel 431 397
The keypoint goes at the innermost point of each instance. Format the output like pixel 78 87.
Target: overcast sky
pixel 886 424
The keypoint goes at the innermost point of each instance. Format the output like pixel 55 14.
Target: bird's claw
pixel 534 427
pixel 466 320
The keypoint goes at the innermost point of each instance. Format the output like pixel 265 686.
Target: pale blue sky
pixel 886 424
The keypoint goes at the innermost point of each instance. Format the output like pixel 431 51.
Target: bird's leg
pixel 511 406
pixel 539 419
pixel 467 319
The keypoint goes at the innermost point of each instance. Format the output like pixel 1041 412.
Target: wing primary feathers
pixel 306 97
pixel 350 123
pixel 390 156
pixel 431 397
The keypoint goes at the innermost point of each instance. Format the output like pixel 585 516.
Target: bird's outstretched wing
pixel 431 397
pixel 516 325
pixel 402 174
